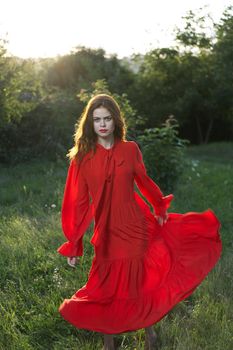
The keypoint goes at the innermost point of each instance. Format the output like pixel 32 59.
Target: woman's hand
pixel 162 219
pixel 72 261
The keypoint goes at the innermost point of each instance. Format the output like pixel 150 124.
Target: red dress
pixel 140 270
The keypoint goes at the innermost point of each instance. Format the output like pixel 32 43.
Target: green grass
pixel 35 279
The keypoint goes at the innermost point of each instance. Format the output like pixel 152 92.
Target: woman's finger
pixel 71 261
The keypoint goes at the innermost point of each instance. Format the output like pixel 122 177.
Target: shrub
pixel 163 153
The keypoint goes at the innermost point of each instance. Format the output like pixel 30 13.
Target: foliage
pixel 163 153
pixel 45 131
pixel 223 65
pixel 192 81
pixel 20 90
pixel 81 67
pixel 198 31
pixel 38 108
pixel 156 87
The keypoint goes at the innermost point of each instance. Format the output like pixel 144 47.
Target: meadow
pixel 35 278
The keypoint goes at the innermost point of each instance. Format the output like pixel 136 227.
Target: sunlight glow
pixel 47 28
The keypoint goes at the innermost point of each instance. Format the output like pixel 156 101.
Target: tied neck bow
pixel 102 203
pixel 109 166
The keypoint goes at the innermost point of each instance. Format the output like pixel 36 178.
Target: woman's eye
pixel 106 119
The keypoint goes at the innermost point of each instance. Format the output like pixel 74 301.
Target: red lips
pixel 103 130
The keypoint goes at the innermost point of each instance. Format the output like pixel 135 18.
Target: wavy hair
pixel 85 137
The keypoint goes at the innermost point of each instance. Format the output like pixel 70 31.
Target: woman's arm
pixel 148 187
pixel 76 211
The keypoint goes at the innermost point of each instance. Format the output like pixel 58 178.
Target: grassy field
pixel 35 279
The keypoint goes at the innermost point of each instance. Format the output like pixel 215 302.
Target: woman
pixel 146 261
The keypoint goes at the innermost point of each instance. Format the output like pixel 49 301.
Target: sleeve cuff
pixel 70 249
pixel 161 209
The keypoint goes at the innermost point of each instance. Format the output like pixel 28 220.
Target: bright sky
pixel 46 28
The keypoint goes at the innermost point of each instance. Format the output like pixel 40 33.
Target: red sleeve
pixel 76 213
pixel 148 187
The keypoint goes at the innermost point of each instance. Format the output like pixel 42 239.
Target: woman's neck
pixel 106 142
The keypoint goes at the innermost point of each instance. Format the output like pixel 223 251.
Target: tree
pixel 20 90
pixel 156 85
pixel 81 67
pixel 223 65
pixel 20 94
pixel 204 99
pixel 192 80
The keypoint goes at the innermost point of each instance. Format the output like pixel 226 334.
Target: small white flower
pixel 57 279
pixel 53 205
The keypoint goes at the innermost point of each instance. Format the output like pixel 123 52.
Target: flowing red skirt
pixel 143 270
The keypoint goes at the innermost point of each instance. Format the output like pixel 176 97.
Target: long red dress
pixel 140 269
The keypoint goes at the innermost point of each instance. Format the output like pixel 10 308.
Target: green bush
pixel 44 132
pixel 163 153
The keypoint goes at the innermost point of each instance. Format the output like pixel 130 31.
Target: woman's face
pixel 103 122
